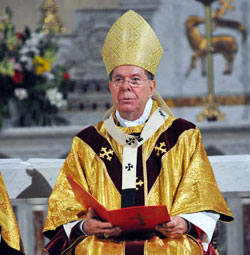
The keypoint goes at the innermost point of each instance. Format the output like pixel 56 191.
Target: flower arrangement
pixel 32 86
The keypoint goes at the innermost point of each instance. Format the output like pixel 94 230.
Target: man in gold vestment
pixel 140 154
pixel 10 240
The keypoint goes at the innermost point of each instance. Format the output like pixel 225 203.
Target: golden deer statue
pixel 223 44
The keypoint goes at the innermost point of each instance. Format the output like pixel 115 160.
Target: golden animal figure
pixel 223 44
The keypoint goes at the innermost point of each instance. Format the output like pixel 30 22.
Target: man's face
pixel 128 100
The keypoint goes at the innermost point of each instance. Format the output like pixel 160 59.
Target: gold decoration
pixel 51 23
pixel 139 183
pixel 201 101
pixel 205 47
pixel 160 149
pixel 221 11
pixel 131 41
pixel 211 111
pixel 226 45
pixel 106 153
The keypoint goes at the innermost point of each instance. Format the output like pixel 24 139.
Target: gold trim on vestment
pixel 9 227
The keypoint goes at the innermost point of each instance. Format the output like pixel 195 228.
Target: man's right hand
pixel 93 226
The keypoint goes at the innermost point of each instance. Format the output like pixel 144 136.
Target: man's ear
pixel 152 88
pixel 110 86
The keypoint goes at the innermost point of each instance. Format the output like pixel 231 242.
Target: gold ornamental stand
pixel 50 20
pixel 211 111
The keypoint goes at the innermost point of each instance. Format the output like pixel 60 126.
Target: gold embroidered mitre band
pixel 131 41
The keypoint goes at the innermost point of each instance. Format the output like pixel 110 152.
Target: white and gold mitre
pixel 131 41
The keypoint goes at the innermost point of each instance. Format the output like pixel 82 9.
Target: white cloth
pixel 68 227
pixel 131 143
pixel 141 120
pixel 206 221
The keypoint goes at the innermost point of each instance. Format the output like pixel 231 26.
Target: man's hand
pixel 93 226
pixel 176 226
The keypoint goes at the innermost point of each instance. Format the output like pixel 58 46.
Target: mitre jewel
pixel 131 41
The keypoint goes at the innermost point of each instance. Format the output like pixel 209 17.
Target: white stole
pixel 130 144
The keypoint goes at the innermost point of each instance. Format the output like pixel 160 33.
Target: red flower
pixel 19 36
pixel 66 76
pixel 18 77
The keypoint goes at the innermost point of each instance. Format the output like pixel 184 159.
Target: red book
pixel 130 219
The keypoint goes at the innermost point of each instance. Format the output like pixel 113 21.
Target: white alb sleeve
pixel 68 227
pixel 206 221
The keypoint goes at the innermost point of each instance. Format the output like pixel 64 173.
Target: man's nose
pixel 126 84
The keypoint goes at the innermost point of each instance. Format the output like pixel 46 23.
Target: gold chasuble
pixel 11 242
pixel 172 169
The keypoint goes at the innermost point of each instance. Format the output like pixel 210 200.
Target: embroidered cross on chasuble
pixel 130 144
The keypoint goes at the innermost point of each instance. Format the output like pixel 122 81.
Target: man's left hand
pixel 175 227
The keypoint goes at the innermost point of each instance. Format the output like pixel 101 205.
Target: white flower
pixel 56 98
pixel 36 40
pixel 49 76
pixel 27 62
pixel 21 93
pixel 26 49
pixel 32 46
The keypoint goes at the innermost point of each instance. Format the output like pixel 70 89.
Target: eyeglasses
pixel 134 82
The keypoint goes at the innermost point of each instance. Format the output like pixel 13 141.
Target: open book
pixel 130 219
